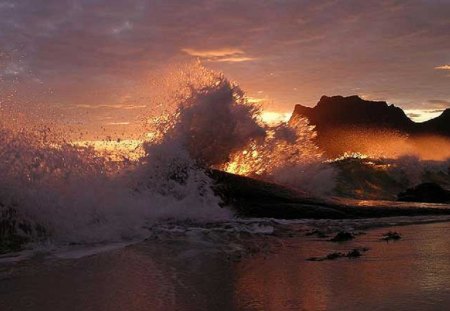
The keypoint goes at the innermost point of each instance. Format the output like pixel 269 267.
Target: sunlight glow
pixel 130 149
pixel 274 117
pixel 443 67
pixel 422 115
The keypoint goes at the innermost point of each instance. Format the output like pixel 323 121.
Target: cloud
pixel 118 106
pixel 213 53
pixel 233 59
pixel 123 27
pixel 439 103
pixel 118 123
pixel 254 100
pixel 413 115
pixel 442 67
pixel 92 51
pixel 224 55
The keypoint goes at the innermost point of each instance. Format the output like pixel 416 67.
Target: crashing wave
pixel 52 189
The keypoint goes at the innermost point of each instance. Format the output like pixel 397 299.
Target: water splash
pixel 287 155
pixel 68 192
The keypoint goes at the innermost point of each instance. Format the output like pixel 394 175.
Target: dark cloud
pixel 96 51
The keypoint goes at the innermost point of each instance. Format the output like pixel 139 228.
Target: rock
pixel 334 256
pixel 354 253
pixel 314 259
pixel 331 256
pixel 317 233
pixel 391 236
pixel 10 239
pixel 342 237
pixel 250 197
pixel 15 230
pixel 426 192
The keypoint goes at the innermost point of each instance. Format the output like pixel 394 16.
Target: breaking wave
pixel 54 190
pixel 367 178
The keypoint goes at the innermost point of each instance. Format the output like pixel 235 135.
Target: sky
pixel 94 58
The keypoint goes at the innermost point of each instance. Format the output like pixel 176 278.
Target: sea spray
pixel 362 177
pixel 287 155
pixel 62 192
pixel 210 120
pixel 79 197
pixel 68 193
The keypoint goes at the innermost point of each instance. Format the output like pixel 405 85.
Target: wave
pixel 57 191
pixel 54 190
pixel 366 178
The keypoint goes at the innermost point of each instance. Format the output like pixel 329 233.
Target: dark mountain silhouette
pixel 333 116
pixel 439 125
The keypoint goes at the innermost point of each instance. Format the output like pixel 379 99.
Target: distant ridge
pixel 336 113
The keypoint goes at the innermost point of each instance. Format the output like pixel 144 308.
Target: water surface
pixel 189 272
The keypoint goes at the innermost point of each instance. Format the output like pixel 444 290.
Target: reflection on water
pixel 192 274
pixel 389 204
pixel 413 273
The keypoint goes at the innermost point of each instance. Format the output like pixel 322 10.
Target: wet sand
pixel 191 274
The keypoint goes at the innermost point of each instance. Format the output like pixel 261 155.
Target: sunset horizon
pixel 80 58
pixel 224 155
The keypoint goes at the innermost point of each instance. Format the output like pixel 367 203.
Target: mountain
pixel 439 125
pixel 339 119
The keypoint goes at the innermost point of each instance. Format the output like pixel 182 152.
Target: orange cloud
pixel 443 67
pixel 213 53
pixel 118 106
pixel 228 55
pixel 234 59
pixel 118 123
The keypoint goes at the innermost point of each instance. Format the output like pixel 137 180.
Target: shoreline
pixel 265 227
pixel 273 274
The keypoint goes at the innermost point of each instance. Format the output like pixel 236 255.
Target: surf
pixel 55 190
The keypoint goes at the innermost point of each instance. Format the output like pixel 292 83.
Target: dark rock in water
pixel 331 256
pixel 15 230
pixel 342 237
pixel 250 197
pixel 391 236
pixel 354 253
pixel 426 192
pixel 314 259
pixel 10 238
pixel 334 256
pixel 317 233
